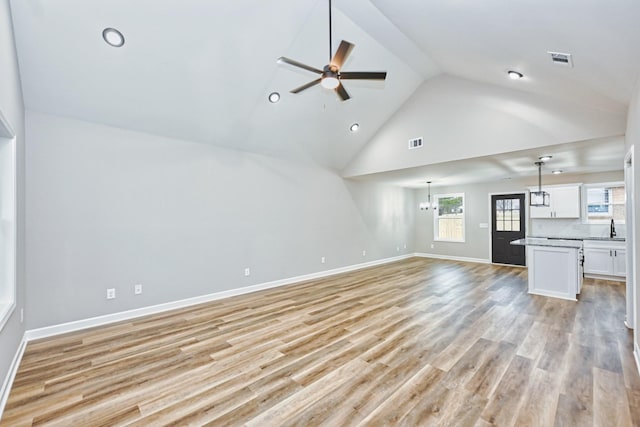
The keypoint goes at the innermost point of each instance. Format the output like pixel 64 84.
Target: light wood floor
pixel 417 342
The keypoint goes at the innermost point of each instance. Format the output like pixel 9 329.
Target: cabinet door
pixel 620 262
pixel 598 261
pixel 540 212
pixel 565 202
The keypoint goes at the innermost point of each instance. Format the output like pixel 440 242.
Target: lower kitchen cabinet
pixel 605 259
pixel 554 271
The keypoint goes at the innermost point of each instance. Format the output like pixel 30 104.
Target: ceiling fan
pixel 330 76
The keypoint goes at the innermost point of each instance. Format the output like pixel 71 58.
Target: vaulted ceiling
pixel 202 70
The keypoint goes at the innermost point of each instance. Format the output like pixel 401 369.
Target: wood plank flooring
pixel 418 342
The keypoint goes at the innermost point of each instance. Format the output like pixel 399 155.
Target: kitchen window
pixel 448 217
pixel 605 202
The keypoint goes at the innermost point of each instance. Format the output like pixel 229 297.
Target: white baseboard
pixel 77 325
pixel 605 277
pixel 11 375
pixel 636 356
pixel 453 258
pixel 63 328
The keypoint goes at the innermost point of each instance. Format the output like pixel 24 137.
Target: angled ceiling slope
pixel 483 40
pixel 473 110
pixel 201 71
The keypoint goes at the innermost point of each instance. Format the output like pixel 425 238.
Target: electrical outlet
pixel 405 246
pixel 247 272
pixel 323 260
pixel 111 293
pixel 22 315
pixel 364 253
pixel 433 246
pixel 137 289
pixel 397 248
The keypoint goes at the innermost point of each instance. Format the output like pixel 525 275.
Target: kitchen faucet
pixel 612 232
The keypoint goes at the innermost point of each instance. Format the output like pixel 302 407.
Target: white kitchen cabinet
pixel 554 271
pixel 605 259
pixel 620 262
pixel 564 202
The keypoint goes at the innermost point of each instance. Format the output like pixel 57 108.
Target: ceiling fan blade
pixel 284 60
pixel 306 86
pixel 342 53
pixel 363 75
pixel 342 92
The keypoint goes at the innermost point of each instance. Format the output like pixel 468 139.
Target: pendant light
pixel 425 206
pixel 539 198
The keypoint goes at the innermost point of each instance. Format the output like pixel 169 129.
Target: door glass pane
pixel 507 215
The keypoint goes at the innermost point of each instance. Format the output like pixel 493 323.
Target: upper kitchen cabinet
pixel 564 203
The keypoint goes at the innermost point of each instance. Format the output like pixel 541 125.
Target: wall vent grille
pixel 415 143
pixel 563 59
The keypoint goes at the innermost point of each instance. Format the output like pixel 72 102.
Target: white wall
pixel 12 108
pixel 477 212
pixel 111 208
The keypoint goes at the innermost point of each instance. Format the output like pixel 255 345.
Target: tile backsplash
pixel 571 228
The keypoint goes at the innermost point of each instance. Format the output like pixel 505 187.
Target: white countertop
pixel 541 241
pixel 601 238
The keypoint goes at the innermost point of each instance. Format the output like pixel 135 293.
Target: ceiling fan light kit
pixel 330 76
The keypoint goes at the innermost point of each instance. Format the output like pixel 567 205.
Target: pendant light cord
pixel 539 176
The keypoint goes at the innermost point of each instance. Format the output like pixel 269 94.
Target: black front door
pixel 507 224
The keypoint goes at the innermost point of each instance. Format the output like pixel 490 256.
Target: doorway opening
pixel 631 315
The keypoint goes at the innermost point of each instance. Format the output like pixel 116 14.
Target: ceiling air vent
pixel 561 59
pixel 415 143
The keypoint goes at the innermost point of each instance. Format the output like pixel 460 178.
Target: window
pixel 7 228
pixel 605 202
pixel 448 217
pixel 508 215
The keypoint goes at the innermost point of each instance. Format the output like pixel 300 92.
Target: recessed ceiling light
pixel 514 75
pixel 544 158
pixel 354 127
pixel 557 171
pixel 274 97
pixel 113 37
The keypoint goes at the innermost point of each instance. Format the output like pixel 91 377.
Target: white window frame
pixel 8 224
pixel 436 205
pixel 585 203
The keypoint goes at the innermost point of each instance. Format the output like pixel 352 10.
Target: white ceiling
pixel 481 40
pixel 597 155
pixel 201 70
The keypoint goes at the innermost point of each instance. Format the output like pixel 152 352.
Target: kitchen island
pixel 555 267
